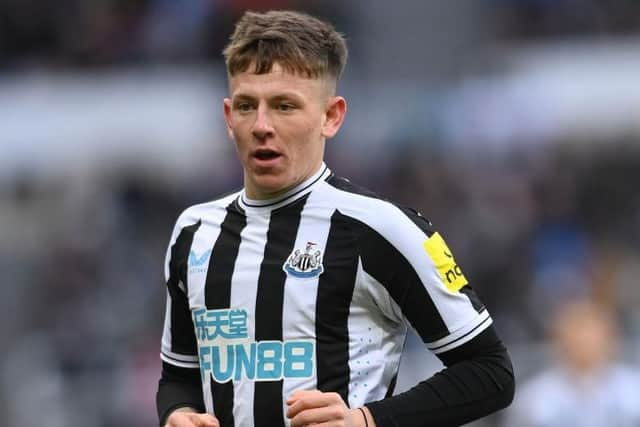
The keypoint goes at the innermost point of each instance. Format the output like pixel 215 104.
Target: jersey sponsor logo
pixel 305 264
pixel 225 352
pixel 227 323
pixel 198 263
pixel 450 272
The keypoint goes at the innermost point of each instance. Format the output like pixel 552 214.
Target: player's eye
pixel 243 107
pixel 285 107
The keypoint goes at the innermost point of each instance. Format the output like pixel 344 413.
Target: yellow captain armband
pixel 450 272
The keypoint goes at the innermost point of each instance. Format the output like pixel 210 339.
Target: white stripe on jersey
pixel 243 294
pixel 299 312
pixel 206 234
pixel 381 333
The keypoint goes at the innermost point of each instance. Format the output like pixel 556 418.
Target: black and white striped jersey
pixel 312 290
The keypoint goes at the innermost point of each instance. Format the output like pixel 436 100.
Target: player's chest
pixel 289 263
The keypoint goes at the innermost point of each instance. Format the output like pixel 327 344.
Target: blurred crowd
pixel 534 227
pixel 110 32
pixel 98 33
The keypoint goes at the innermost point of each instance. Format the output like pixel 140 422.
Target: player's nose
pixel 262 127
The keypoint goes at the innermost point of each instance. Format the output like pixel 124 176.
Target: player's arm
pixel 179 400
pixel 179 392
pixel 478 380
pixel 428 289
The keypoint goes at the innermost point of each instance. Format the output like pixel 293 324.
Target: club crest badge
pixel 305 264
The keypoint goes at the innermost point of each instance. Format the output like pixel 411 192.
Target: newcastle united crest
pixel 305 264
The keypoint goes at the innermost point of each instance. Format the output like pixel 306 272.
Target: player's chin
pixel 270 182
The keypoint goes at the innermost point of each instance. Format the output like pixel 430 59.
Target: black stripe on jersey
pixel 223 259
pixel 389 267
pixel 183 337
pixel 478 306
pixel 218 296
pixel 281 237
pixel 335 291
pixel 392 386
pixel 421 222
pixel 416 217
pixel 346 185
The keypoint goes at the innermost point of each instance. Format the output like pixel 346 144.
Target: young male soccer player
pixel 289 301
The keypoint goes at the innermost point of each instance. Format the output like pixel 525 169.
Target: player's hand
pixel 191 419
pixel 313 407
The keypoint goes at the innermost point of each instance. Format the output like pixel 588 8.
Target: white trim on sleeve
pixel 464 334
pixel 180 360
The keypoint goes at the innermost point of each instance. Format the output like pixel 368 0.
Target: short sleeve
pixel 427 287
pixel 179 345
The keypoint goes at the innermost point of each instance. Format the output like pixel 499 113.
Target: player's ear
pixel 227 116
pixel 335 113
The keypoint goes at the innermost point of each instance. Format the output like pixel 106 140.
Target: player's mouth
pixel 265 156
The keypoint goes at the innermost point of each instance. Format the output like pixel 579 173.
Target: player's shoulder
pixel 207 210
pixel 368 207
pixel 351 189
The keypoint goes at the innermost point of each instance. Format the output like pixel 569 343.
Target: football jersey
pixel 314 289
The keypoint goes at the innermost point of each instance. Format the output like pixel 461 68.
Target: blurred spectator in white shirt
pixel 585 386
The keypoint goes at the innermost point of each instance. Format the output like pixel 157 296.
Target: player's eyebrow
pixel 243 97
pixel 281 96
pixel 288 96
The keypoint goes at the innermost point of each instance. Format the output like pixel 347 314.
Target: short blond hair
pixel 299 43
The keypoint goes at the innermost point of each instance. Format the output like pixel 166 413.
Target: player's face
pixel 279 122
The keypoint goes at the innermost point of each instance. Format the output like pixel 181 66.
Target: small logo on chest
pixel 199 263
pixel 305 264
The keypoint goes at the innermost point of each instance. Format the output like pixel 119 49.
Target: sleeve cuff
pixel 462 335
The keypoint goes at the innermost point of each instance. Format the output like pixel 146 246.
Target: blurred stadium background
pixel 514 125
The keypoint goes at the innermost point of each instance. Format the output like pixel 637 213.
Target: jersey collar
pixel 292 195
